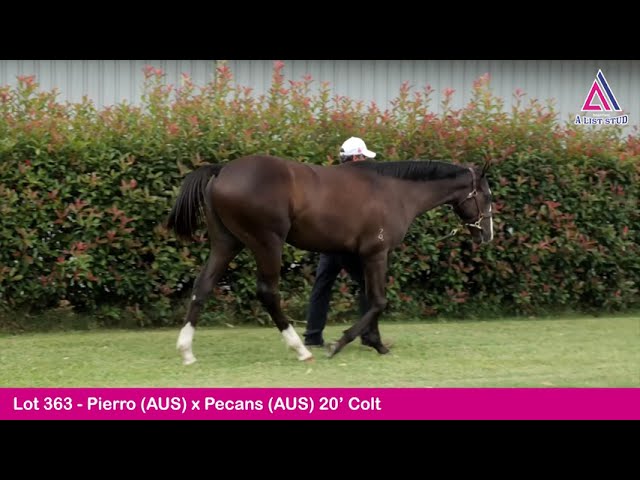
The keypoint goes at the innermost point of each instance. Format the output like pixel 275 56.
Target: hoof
pixel 311 359
pixel 306 357
pixel 334 348
pixel 187 356
pixel 382 348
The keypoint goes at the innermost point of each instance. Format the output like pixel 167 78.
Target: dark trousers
pixel 327 271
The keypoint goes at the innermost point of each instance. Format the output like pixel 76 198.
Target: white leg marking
pixel 185 340
pixel 294 342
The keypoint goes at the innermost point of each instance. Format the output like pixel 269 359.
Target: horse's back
pixel 312 207
pixel 244 174
pixel 266 179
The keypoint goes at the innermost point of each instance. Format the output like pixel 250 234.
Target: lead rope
pixel 450 234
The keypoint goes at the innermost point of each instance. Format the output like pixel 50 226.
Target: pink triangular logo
pixel 596 90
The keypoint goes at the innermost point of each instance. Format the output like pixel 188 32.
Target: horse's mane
pixel 413 169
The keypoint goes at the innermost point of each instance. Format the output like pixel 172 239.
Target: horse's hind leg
pixel 268 259
pixel 224 250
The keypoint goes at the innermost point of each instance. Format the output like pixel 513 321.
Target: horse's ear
pixel 485 167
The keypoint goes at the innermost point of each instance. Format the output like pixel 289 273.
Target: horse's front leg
pixel 375 271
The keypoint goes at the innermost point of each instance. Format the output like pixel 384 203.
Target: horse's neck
pixel 422 196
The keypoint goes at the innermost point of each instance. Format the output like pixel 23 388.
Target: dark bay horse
pixel 263 202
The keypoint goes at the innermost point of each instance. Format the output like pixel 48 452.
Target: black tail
pixel 187 213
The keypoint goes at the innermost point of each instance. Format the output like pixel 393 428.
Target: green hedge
pixel 83 194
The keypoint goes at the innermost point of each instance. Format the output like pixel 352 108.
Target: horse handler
pixel 331 264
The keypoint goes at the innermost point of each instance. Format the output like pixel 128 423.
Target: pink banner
pixel 319 404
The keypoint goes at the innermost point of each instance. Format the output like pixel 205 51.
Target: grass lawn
pixel 561 352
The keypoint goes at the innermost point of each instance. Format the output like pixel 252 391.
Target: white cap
pixel 356 146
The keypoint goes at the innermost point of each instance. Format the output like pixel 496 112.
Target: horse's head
pixel 474 206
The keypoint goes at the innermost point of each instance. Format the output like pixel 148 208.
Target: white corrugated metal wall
pixel 104 81
pixel 567 82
